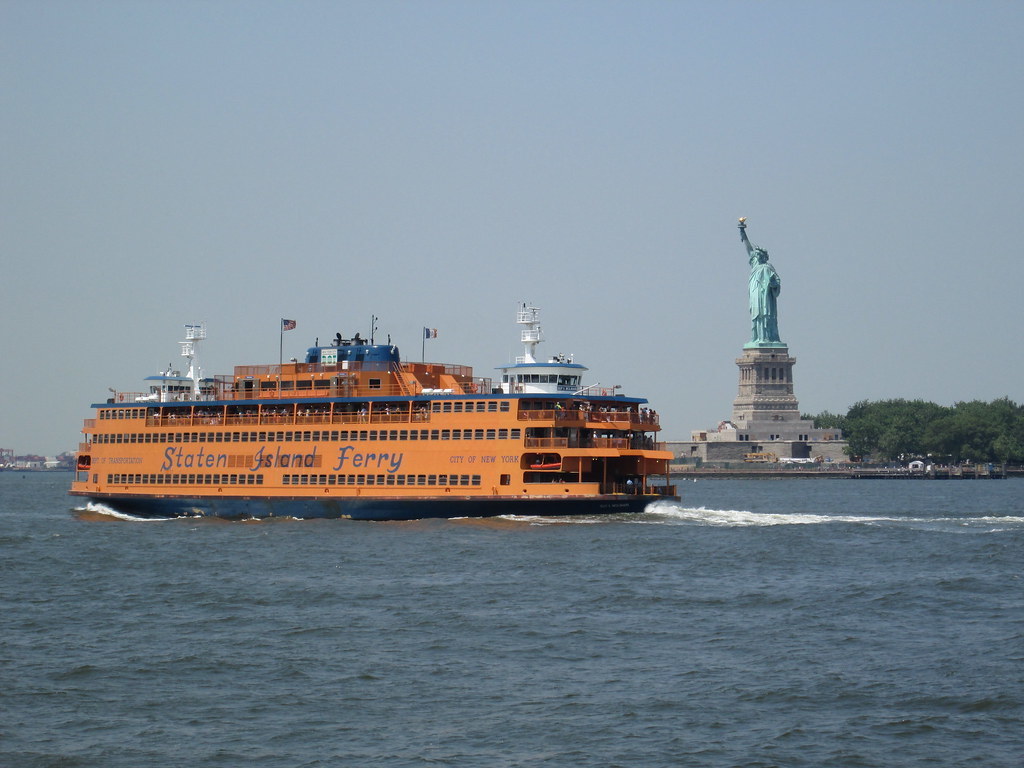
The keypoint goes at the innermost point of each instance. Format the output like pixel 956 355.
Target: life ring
pixel 121 397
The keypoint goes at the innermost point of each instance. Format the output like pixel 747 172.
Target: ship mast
pixel 529 317
pixel 194 333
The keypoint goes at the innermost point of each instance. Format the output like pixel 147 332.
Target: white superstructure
pixel 559 375
pixel 170 385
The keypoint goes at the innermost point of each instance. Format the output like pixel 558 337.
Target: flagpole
pixel 280 347
pixel 423 345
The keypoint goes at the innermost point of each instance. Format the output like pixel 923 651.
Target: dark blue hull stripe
pixel 369 509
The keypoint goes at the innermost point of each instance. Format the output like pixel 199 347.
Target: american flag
pixel 430 333
pixel 287 325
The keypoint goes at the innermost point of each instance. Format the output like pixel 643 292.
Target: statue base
pixel 766 345
pixel 765 400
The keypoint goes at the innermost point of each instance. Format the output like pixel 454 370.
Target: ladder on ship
pixel 408 385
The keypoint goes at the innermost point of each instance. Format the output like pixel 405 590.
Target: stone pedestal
pixel 765 399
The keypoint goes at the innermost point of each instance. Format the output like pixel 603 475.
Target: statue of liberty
pixel 764 292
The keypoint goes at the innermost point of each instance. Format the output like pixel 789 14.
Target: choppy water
pixel 760 623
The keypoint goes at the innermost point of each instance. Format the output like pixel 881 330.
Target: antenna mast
pixel 531 335
pixel 194 333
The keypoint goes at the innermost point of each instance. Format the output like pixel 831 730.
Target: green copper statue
pixel 764 292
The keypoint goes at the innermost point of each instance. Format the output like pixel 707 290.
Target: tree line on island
pixel 894 430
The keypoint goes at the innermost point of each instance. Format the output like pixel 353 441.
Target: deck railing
pixel 627 419
pixel 616 443
pixel 231 391
pixel 547 442
pixel 650 489
pixel 288 419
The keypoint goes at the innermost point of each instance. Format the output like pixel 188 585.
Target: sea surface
pixel 758 623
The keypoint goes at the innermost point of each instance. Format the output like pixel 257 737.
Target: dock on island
pixel 849 471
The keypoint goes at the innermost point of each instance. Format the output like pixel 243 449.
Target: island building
pixel 765 424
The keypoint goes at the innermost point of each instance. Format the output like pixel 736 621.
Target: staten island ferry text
pixel 266 457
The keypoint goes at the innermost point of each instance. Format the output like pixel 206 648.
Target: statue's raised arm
pixel 743 235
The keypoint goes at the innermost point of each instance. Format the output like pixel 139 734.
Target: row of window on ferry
pixel 446 406
pixel 296 479
pixel 308 436
pixel 541 378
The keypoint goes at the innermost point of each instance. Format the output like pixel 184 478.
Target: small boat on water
pixel 355 432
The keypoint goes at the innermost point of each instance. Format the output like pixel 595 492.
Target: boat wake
pixel 94 510
pixel 657 513
pixel 738 517
pixel 559 520
pixel 668 512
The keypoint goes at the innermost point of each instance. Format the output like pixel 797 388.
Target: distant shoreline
pixel 845 472
pixel 36 469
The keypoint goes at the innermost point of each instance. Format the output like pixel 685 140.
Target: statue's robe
pixel 764 309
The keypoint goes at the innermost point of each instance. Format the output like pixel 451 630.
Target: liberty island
pixel 766 424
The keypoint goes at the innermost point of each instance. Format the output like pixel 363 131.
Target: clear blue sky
pixel 436 163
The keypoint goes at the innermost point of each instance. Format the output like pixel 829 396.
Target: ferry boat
pixel 356 432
